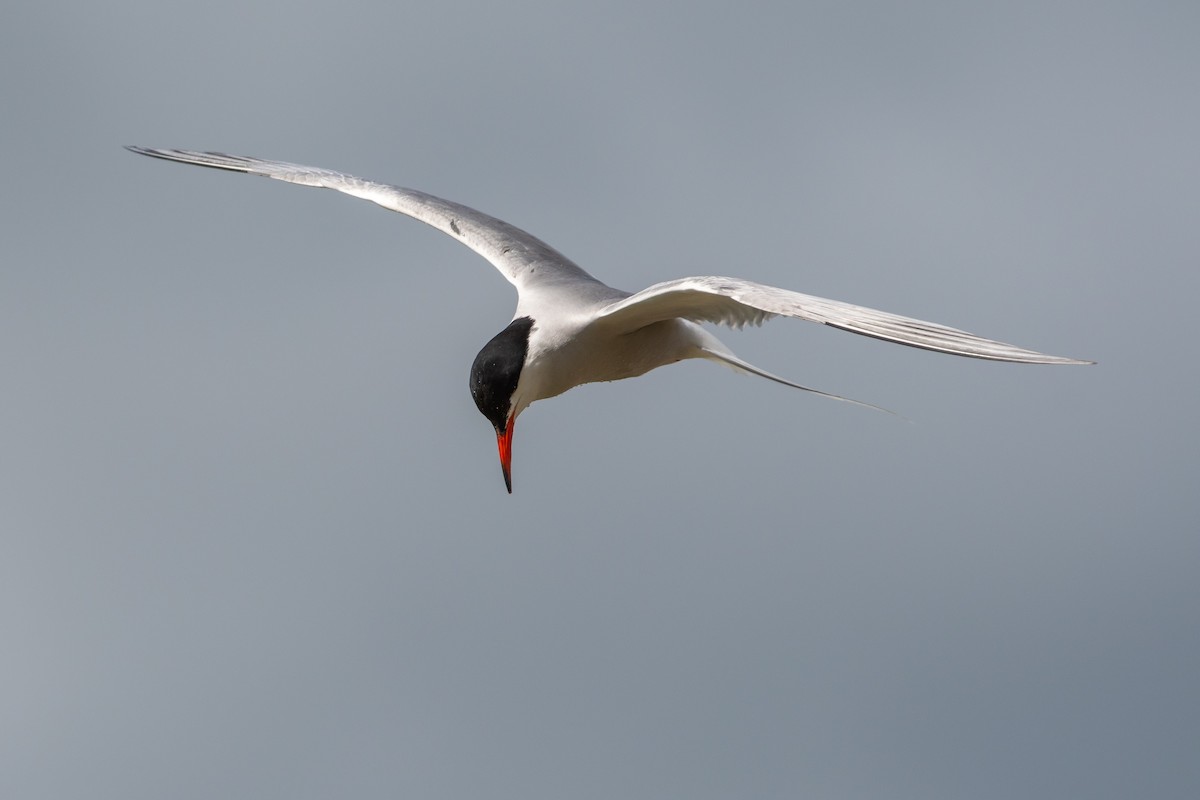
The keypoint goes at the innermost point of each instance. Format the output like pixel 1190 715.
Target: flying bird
pixel 570 329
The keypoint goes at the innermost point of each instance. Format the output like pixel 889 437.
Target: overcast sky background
pixel 255 540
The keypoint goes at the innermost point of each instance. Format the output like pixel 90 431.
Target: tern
pixel 570 329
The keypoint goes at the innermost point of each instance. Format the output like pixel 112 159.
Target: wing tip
pixel 201 159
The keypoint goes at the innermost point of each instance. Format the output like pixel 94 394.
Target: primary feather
pixel 737 302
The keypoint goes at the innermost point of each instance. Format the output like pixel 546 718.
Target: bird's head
pixel 494 377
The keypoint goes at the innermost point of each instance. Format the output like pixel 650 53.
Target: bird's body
pixel 570 349
pixel 569 328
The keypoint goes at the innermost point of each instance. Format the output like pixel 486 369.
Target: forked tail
pixel 724 356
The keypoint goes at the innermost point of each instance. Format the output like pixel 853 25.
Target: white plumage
pixel 582 330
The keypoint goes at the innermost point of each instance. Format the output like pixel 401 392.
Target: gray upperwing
pixel 521 257
pixel 734 301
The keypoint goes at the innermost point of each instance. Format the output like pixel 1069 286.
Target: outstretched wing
pixel 736 302
pixel 523 259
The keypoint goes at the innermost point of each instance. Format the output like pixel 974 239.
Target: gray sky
pixel 255 537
